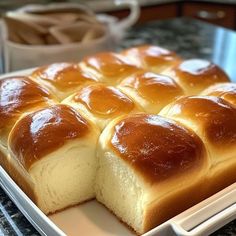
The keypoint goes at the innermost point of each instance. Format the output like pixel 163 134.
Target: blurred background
pixel 219 12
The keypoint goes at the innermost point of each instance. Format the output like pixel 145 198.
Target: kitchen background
pixel 219 12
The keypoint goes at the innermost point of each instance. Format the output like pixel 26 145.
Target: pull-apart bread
pixel 123 128
pixel 101 103
pixel 108 67
pixel 214 120
pixel 195 75
pixel 62 79
pixel 227 91
pixel 18 96
pixel 152 91
pixel 54 151
pixel 149 166
pixel 152 58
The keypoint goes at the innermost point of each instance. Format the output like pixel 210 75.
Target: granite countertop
pixel 188 37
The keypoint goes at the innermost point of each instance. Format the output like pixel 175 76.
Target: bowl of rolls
pixel 36 35
pixel 145 132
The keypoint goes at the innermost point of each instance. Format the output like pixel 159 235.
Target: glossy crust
pixel 157 148
pixel 227 91
pixel 152 58
pixel 104 101
pixel 109 67
pixel 19 95
pixel 213 117
pixel 3 160
pixel 44 131
pixel 156 90
pixel 62 77
pixel 195 75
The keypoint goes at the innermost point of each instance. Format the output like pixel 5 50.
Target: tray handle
pixel 202 219
pixel 212 214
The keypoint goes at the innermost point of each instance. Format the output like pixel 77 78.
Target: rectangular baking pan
pixel 94 219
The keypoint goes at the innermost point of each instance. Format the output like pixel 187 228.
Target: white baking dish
pixel 93 219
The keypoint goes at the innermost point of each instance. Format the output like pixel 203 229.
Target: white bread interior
pixel 135 201
pixel 64 177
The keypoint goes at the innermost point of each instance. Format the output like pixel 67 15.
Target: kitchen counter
pixel 189 38
pixel 108 5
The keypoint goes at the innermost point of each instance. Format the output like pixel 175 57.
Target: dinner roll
pixel 214 120
pixel 150 169
pixel 108 67
pixel 53 150
pixel 19 95
pixel 101 103
pixel 227 91
pixel 152 58
pixel 62 79
pixel 151 91
pixel 195 75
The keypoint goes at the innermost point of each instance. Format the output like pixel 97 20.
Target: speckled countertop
pixel 189 38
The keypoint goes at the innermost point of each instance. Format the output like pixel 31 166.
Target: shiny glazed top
pixel 109 64
pixel 199 74
pixel 227 91
pixel 214 117
pixel 156 147
pixel 44 131
pixel 63 75
pixel 19 95
pixel 150 56
pixel 153 87
pixel 104 100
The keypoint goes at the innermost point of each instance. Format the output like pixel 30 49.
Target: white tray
pixel 93 219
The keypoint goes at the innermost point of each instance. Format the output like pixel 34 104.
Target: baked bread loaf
pixel 108 67
pixel 227 91
pixel 100 103
pixel 18 96
pixel 195 75
pixel 151 91
pixel 62 79
pixel 214 120
pixel 152 58
pixel 148 168
pixel 53 150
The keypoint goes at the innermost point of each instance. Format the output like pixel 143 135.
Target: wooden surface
pixel 215 13
pixel 219 14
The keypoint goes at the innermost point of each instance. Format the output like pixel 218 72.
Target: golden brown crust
pixel 227 91
pixel 214 117
pixel 157 89
pixel 221 178
pixel 3 160
pixel 63 76
pixel 105 101
pixel 17 96
pixel 46 130
pixel 148 56
pixel 157 148
pixel 169 206
pixel 194 75
pixel 21 181
pixel 110 66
